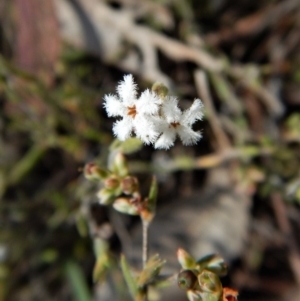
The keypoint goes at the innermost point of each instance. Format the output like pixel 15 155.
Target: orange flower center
pixel 174 124
pixel 131 111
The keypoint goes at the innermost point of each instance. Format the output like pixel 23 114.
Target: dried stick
pixel 214 121
pixel 254 23
pixel 145 242
pixel 99 29
pixel 273 105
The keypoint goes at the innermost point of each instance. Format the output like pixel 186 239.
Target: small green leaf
pixel 213 263
pixel 81 224
pixel 100 268
pixel 202 296
pixel 25 164
pixel 129 146
pixel 130 281
pixel 103 260
pixel 119 165
pixel 211 297
pixel 152 197
pixel 77 282
pixel 185 259
pixel 106 196
pixel 210 282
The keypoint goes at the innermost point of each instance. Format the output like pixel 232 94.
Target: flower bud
pixel 160 89
pixel 112 182
pixel 95 173
pixel 106 196
pixel 185 259
pixel 187 280
pixel 103 260
pixel 210 282
pixel 129 185
pixel 213 263
pixel 120 165
pixel 123 205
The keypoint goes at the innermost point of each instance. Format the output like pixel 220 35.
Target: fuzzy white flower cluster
pixel 154 119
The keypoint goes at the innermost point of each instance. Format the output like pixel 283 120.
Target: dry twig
pixel 203 90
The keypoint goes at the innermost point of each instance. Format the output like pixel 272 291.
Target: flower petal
pixel 145 129
pixel 170 110
pixel 148 103
pixel 122 129
pixel 166 140
pixel 188 136
pixel 194 113
pixel 127 90
pixel 113 106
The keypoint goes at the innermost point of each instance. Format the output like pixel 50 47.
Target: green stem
pixel 26 164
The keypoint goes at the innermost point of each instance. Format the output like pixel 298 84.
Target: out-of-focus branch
pixel 96 27
pixel 255 23
pixel 104 31
pixel 223 142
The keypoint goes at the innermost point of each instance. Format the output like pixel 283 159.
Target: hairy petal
pixel 127 90
pixel 113 106
pixel 122 128
pixel 166 140
pixel 148 103
pixel 188 136
pixel 145 129
pixel 194 113
pixel 170 110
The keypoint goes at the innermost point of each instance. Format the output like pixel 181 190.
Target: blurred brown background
pixel 236 193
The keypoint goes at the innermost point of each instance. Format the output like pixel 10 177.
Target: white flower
pixel 153 119
pixel 175 122
pixel 136 112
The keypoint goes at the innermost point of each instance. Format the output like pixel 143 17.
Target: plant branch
pixel 203 90
pixel 145 242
